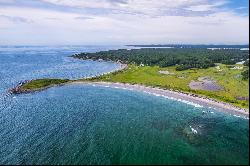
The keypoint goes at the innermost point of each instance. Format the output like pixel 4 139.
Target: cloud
pixel 149 8
pixel 53 18
pixel 83 18
pixel 16 19
pixel 122 22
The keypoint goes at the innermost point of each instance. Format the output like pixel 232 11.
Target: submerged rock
pixel 198 130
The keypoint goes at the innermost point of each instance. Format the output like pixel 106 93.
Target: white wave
pixel 180 100
pixel 237 116
pixel 164 96
pixel 193 130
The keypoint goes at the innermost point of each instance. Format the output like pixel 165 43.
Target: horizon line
pixel 121 44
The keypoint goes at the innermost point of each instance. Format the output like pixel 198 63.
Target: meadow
pixel 41 84
pixel 229 79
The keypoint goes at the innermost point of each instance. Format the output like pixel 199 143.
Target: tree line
pixel 164 57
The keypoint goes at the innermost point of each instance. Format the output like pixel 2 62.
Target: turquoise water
pixel 82 124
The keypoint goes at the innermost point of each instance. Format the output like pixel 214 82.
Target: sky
pixel 119 22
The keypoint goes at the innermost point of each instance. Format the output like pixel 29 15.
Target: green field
pixel 230 80
pixel 42 83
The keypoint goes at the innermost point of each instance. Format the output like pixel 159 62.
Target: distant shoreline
pixel 240 46
pixel 188 98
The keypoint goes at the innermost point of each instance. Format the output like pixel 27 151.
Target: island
pixel 217 77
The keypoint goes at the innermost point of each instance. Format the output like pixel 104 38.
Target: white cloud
pixel 147 23
pixel 86 4
pixel 15 19
pixel 145 7
pixel 206 6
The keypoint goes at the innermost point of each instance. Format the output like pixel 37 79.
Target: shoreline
pixel 185 97
pixel 18 88
pixel 122 66
pixel 188 98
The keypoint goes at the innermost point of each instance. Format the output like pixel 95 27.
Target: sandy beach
pixel 195 100
pixel 185 97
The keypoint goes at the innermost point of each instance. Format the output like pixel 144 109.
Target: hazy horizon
pixel 19 45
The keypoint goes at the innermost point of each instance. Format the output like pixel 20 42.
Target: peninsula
pixel 215 77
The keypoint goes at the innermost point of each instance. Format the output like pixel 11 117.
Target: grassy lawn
pixel 42 83
pixel 230 80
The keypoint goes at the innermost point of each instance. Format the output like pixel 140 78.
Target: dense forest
pixel 182 57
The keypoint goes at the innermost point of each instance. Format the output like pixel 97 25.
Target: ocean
pixel 84 124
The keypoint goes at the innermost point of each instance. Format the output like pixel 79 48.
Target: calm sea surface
pixel 83 124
